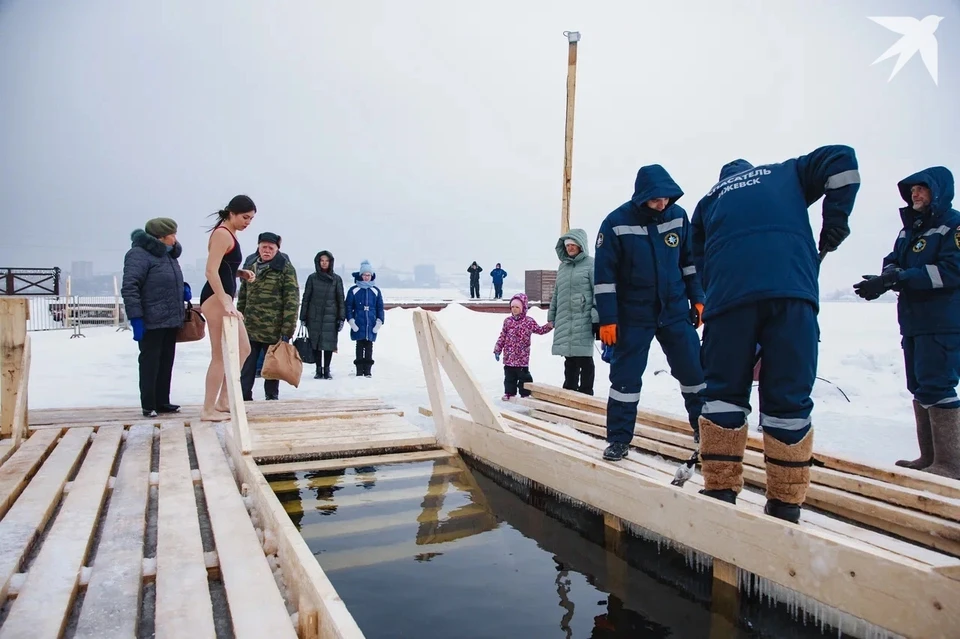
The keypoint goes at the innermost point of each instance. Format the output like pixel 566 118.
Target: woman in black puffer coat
pixel 323 311
pixel 153 295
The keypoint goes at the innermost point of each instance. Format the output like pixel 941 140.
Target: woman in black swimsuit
pixel 216 299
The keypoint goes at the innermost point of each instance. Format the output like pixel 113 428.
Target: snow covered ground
pixel 860 353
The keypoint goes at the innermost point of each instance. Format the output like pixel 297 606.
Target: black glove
pixel 873 286
pixel 596 331
pixel 831 237
pixel 339 326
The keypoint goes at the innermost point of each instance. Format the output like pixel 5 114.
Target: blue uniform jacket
pixel 365 307
pixel 752 238
pixel 643 271
pixel 928 251
pixel 498 275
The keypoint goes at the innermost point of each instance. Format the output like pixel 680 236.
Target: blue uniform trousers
pixel 933 368
pixel 787 332
pixel 680 344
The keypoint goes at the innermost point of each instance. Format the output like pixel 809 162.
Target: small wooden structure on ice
pixel 109 521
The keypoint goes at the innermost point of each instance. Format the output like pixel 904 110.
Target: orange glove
pixel 696 315
pixel 608 334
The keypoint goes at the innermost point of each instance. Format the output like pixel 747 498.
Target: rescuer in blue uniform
pixel 924 267
pixel 646 286
pixel 754 249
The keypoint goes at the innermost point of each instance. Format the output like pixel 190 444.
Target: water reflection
pixel 438 548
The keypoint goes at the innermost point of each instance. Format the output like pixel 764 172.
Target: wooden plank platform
pixel 867 567
pixel 72 527
pixel 256 410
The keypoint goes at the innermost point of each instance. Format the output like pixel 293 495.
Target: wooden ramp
pixel 112 530
pixel 885 557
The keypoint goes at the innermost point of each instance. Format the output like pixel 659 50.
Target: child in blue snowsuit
pixel 365 316
pixel 755 250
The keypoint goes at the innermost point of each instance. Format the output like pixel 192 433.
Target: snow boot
pixel 924 438
pixel 326 373
pixel 367 368
pixel 359 363
pixel 788 475
pixel 945 426
pixel 319 374
pixel 721 460
pixel 149 413
pixel 168 408
pixel 616 451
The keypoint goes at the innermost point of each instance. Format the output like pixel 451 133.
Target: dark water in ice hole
pixel 451 548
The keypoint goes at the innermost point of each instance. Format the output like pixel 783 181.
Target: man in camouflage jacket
pixel 269 306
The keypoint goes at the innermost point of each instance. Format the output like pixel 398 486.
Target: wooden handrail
pixel 14 366
pixel 231 368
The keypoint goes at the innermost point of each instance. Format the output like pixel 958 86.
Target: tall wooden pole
pixel 572 38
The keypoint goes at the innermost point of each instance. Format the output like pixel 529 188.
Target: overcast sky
pixel 432 131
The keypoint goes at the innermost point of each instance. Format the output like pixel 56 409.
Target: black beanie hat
pixel 267 236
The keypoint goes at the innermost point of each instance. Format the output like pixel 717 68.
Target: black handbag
pixel 303 346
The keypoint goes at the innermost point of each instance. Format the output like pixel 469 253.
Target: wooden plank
pixel 468 388
pixel 183 606
pixel 256 607
pixel 894 494
pixel 350 462
pixel 20 417
pixel 13 334
pixel 111 606
pixel 17 470
pixel 231 364
pixel 876 587
pixel 314 416
pixel 931 531
pixel 29 514
pixel 915 479
pixel 293 448
pixel 43 604
pixel 431 370
pixel 306 581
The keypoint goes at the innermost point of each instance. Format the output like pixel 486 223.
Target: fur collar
pixel 152 245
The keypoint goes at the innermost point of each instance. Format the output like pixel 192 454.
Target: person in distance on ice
pixel 924 267
pixel 755 249
pixel 474 270
pixel 646 286
pixel 269 306
pixel 498 275
pixel 365 316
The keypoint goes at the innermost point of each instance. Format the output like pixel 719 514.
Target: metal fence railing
pixel 76 312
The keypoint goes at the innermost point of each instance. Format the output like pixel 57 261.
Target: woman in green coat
pixel 573 312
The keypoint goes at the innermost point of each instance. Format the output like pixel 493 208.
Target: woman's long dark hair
pixel 238 205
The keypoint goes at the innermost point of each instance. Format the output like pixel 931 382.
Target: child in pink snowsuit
pixel 514 343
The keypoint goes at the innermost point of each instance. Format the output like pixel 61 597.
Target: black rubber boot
pixel 616 451
pixel 782 510
pixel 723 494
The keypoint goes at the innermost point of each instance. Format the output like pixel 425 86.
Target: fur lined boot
pixel 788 475
pixel 721 457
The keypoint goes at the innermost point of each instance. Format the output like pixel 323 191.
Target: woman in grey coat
pixel 323 311
pixel 574 313
pixel 153 294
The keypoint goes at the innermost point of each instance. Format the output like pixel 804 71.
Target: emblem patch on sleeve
pixel 920 245
pixel 672 240
pixel 599 240
pixel 956 238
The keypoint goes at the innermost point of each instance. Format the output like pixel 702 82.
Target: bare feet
pixel 214 416
pixel 222 407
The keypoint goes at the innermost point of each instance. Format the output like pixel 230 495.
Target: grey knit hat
pixel 161 227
